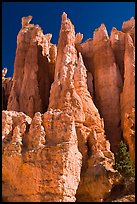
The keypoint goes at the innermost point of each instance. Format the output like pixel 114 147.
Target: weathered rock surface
pixel 128 25
pixel 108 85
pixel 65 113
pixel 69 93
pixel 34 168
pixel 6 88
pixel 117 40
pixel 128 96
pixel 30 90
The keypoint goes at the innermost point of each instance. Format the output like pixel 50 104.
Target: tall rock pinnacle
pixel 30 91
pixel 66 108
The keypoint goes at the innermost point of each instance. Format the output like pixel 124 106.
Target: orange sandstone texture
pixel 35 168
pixel 128 96
pixel 69 93
pixel 30 90
pixel 108 85
pixel 66 106
pixel 6 88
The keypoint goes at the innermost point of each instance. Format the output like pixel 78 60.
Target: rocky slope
pixel 64 112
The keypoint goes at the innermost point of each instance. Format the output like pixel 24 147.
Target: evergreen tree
pixel 123 162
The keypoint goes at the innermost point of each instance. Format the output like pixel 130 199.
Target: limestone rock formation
pixel 30 90
pixel 34 169
pixel 26 20
pixel 6 88
pixel 4 72
pixel 128 96
pixel 117 40
pixel 128 25
pixel 69 94
pixel 108 85
pixel 64 112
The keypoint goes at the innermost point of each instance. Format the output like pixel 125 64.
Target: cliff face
pixel 64 114
pixel 32 62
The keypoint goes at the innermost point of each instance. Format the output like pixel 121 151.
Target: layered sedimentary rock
pixel 30 90
pixel 117 40
pixel 69 93
pixel 128 96
pixel 36 168
pixel 6 88
pixel 108 85
pixel 65 154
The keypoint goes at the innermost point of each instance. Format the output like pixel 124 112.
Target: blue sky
pixel 86 17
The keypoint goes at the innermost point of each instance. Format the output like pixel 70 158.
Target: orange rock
pixel 6 89
pixel 64 154
pixel 128 96
pixel 107 82
pixel 30 90
pixel 34 170
pixel 117 40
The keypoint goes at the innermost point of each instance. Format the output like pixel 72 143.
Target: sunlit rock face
pixel 66 108
pixel 34 59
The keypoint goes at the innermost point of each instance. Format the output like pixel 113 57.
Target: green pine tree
pixel 123 162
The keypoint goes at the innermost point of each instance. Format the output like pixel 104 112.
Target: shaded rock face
pixel 6 89
pixel 128 96
pixel 117 40
pixel 67 108
pixel 30 90
pixel 108 85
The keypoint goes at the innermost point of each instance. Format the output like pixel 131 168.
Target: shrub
pixel 123 162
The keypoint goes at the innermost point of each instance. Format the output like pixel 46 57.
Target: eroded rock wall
pixel 65 153
pixel 6 89
pixel 128 96
pixel 30 90
pixel 108 85
pixel 70 94
pixel 35 168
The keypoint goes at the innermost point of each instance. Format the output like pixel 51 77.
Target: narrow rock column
pixel 128 96
pixel 117 40
pixel 31 80
pixel 107 85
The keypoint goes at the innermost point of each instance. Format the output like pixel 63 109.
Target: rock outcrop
pixel 108 85
pixel 30 90
pixel 65 110
pixel 117 40
pixel 35 168
pixel 6 88
pixel 128 96
pixel 70 94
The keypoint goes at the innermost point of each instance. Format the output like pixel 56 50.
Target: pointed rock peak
pixel 81 67
pixel 78 38
pixel 115 34
pixel 4 72
pixel 128 25
pixel 48 36
pixel 64 16
pixel 66 24
pixel 26 20
pixel 80 58
pixel 101 33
